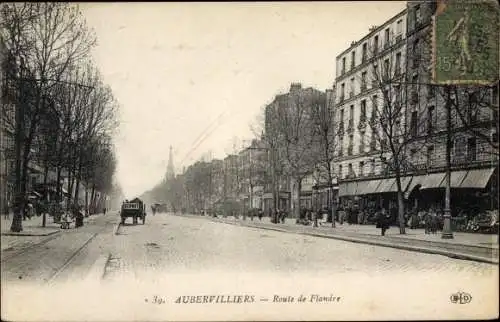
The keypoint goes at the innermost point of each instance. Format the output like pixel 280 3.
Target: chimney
pixel 295 87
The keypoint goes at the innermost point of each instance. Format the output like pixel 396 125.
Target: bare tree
pixel 397 119
pixel 326 136
pixel 52 36
pixel 293 123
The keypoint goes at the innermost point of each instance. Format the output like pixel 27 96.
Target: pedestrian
pixel 341 215
pixel 383 221
pixel 104 211
pixel 428 221
pixel 260 214
pixel 414 221
pixel 6 210
pixel 79 217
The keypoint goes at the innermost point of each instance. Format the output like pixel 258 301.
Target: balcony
pixel 351 94
pixel 342 72
pixel 363 86
pixel 399 38
pixel 341 98
pixel 363 58
pixel 349 150
pixel 362 148
pixel 387 44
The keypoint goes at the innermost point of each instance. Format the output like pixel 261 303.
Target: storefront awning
pixel 456 179
pixel 385 185
pixel 432 180
pixel 348 189
pixel 477 178
pixel 368 187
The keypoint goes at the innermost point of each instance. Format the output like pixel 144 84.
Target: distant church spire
pixel 170 167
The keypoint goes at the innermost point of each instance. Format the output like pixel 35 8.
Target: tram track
pixel 43 254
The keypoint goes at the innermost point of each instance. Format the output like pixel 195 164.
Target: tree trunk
pixel 86 198
pixel 59 193
pixel 17 218
pixel 46 195
pixel 334 205
pixel 92 200
pixel 401 206
pixel 296 187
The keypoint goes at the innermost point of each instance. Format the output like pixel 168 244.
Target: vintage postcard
pixel 249 161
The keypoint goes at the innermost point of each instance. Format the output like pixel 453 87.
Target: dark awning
pixel 477 178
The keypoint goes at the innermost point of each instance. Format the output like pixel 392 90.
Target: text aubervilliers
pixel 235 299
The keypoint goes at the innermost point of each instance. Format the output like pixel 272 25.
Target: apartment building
pixel 474 162
pixel 399 51
pixel 358 97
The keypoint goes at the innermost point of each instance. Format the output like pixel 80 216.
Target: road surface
pixel 176 267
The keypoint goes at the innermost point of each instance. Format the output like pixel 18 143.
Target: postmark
pixel 465 42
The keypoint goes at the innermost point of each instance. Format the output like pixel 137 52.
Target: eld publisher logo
pixel 460 298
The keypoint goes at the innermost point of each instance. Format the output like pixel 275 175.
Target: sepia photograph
pixel 249 161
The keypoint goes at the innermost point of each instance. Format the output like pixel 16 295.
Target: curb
pixel 31 234
pixel 98 269
pixel 427 250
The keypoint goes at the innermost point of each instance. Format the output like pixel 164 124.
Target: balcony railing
pixel 351 94
pixel 362 123
pixel 349 150
pixel 363 86
pixel 341 98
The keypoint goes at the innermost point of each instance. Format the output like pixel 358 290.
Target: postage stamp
pixel 465 42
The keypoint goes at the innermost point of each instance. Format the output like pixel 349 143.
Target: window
pixel 351 139
pixel 351 93
pixel 353 59
pixel 418 16
pixel 340 171
pixel 430 119
pixel 341 146
pixel 361 168
pixel 362 142
pixel 471 149
pixel 414 124
pixel 362 116
pixel 342 115
pixel 375 45
pixel 430 154
pixel 387 37
pixel 351 170
pixel 398 64
pixel 372 166
pixel 416 53
pixel 494 137
pixel 376 75
pixel 342 91
pixel 351 112
pixel 350 147
pixel 431 91
pixel 364 54
pixel 363 81
pixel 387 68
pixel 459 147
pixel 343 66
pixel 399 27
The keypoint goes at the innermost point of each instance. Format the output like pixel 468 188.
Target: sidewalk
pixel 478 247
pixel 31 227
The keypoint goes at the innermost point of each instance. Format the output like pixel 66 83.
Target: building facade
pixel 359 97
pixel 399 51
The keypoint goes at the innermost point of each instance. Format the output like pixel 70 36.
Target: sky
pixel 195 76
